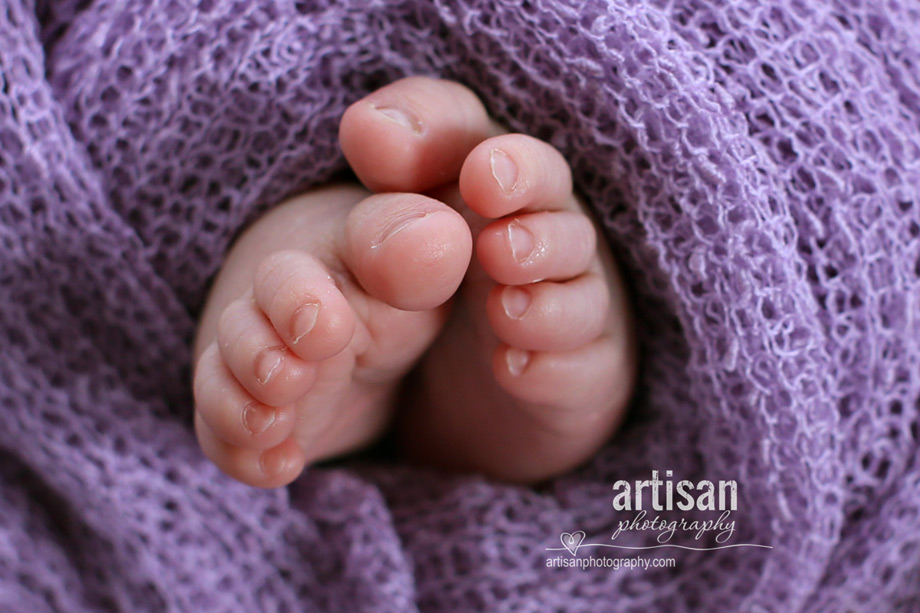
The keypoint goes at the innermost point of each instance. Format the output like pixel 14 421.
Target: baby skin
pixel 461 297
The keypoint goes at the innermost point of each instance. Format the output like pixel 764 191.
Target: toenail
pixel 401 116
pixel 516 301
pixel 396 226
pixel 303 320
pixel 517 360
pixel 520 240
pixel 272 462
pixel 268 362
pixel 504 170
pixel 258 418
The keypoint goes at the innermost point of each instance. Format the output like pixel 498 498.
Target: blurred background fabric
pixel 755 166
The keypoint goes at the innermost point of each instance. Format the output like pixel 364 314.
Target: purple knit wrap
pixel 755 165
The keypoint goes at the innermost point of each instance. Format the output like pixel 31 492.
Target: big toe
pixel 407 250
pixel 413 135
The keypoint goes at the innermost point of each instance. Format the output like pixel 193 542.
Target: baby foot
pixel 536 364
pixel 300 355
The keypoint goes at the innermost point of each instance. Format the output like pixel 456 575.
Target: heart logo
pixel 572 540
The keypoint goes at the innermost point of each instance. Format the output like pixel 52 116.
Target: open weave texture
pixel 754 164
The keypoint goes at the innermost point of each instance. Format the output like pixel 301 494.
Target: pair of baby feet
pixel 343 312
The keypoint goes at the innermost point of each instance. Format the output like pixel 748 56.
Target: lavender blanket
pixel 755 164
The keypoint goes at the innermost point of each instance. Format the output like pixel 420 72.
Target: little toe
pixel 550 316
pixel 414 134
pixel 266 468
pixel 525 248
pixel 593 381
pixel 231 413
pixel 304 305
pixel 515 172
pixel 258 358
pixel 407 250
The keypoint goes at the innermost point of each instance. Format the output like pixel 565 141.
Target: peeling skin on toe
pixel 268 362
pixel 406 119
pixel 396 226
pixel 257 418
pixel 521 241
pixel 504 170
pixel 303 320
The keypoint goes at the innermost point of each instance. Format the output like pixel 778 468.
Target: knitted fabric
pixel 754 164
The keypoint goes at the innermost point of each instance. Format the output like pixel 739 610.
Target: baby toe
pixel 413 135
pixel 305 307
pixel 533 247
pixel 550 316
pixel 268 468
pixel 515 172
pixel 231 413
pixel 593 381
pixel 407 250
pixel 258 358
